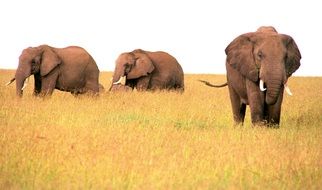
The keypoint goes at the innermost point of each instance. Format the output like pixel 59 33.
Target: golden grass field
pixel 160 140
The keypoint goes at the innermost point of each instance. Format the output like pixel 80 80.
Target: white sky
pixel 195 32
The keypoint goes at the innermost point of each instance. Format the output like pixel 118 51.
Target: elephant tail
pixel 212 85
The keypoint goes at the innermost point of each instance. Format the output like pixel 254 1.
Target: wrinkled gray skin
pixel 146 70
pixel 70 69
pixel 262 55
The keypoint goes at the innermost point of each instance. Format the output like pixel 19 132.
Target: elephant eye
pixel 260 55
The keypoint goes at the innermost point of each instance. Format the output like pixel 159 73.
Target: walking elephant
pixel 146 70
pixel 258 65
pixel 70 69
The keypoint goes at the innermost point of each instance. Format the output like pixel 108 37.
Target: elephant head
pixel 265 57
pixel 132 65
pixel 38 61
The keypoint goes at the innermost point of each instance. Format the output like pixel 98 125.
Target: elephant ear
pixel 142 67
pixel 293 55
pixel 240 56
pixel 49 61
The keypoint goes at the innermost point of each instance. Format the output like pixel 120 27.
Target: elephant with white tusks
pixel 145 70
pixel 70 69
pixel 258 65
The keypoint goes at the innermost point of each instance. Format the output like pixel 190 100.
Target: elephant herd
pixel 258 65
pixel 74 70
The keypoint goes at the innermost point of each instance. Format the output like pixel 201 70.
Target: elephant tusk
pixel 118 82
pixel 25 83
pixel 122 81
pixel 288 90
pixel 11 81
pixel 261 85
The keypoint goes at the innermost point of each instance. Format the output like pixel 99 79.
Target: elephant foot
pixel 262 123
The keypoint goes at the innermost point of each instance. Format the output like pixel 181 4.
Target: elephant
pixel 258 65
pixel 70 69
pixel 145 70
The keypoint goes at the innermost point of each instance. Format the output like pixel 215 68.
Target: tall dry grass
pixel 160 140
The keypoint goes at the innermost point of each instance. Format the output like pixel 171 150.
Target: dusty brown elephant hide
pixel 258 65
pixel 70 69
pixel 146 70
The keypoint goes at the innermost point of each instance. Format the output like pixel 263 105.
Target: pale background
pixel 195 32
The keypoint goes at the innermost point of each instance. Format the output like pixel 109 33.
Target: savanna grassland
pixel 160 140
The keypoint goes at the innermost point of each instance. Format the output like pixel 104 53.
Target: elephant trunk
pixel 274 81
pixel 118 78
pixel 118 73
pixel 21 77
pixel 19 84
pixel 272 74
pixel 273 91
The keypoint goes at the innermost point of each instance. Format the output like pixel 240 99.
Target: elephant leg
pixel 91 86
pixel 37 89
pixel 131 83
pixel 143 83
pixel 179 88
pixel 92 82
pixel 48 83
pixel 239 108
pixel 256 102
pixel 274 111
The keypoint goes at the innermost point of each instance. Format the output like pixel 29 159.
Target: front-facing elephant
pixel 258 65
pixel 70 69
pixel 146 70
